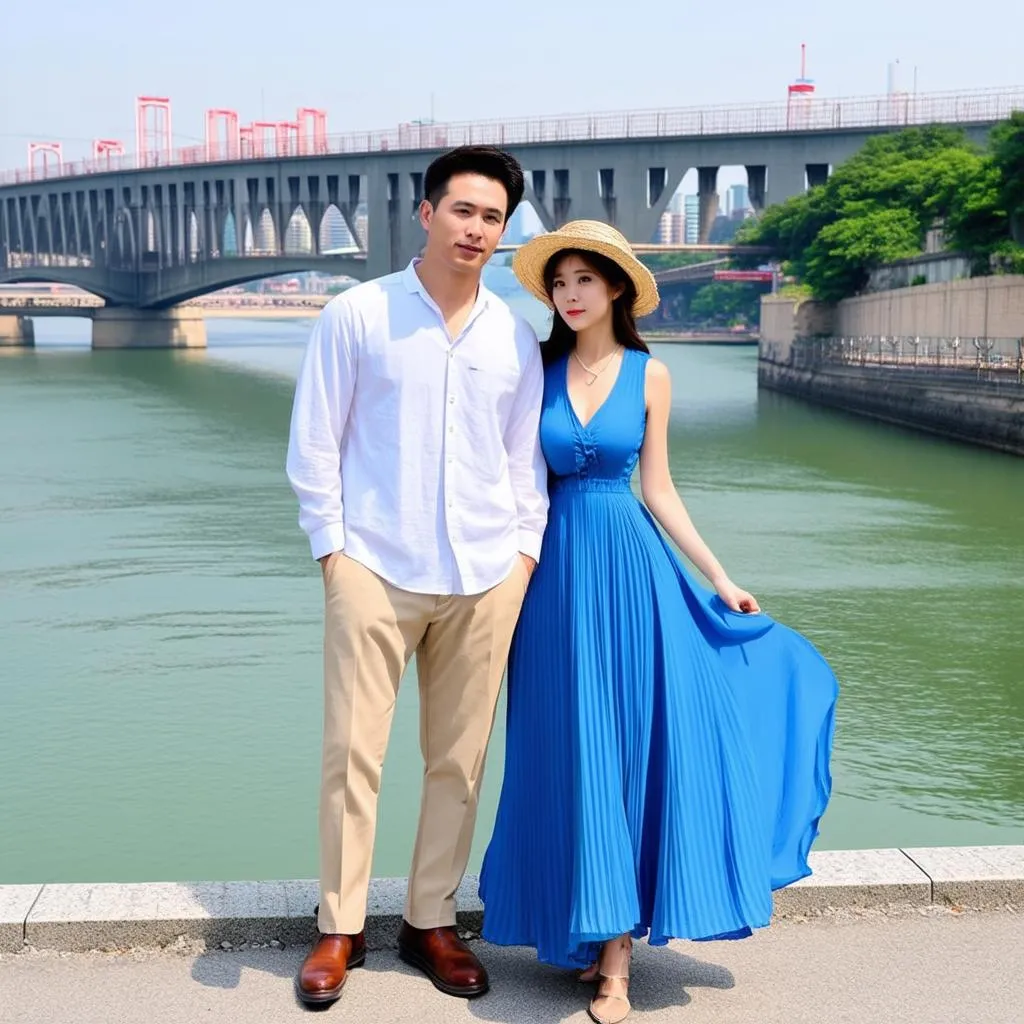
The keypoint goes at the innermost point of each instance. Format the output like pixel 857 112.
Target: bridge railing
pixel 986 358
pixel 819 114
pixel 30 302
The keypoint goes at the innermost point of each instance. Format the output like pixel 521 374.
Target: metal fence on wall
pixel 994 359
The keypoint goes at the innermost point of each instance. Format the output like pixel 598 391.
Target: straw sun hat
pixel 589 236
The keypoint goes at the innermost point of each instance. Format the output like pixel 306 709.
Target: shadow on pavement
pixel 524 990
pixel 521 988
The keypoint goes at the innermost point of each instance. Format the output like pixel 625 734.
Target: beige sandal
pixel 611 1004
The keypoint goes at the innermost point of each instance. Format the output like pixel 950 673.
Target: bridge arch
pixel 265 234
pixel 194 242
pixel 152 240
pixel 124 250
pixel 44 239
pixel 298 236
pixel 88 279
pixel 229 239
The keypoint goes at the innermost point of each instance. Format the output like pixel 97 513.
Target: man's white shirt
pixel 415 453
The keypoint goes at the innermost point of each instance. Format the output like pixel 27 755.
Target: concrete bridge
pixel 147 238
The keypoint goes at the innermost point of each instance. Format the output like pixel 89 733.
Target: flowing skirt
pixel 667 760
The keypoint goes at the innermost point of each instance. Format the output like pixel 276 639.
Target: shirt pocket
pixel 492 384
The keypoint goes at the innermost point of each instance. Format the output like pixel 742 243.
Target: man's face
pixel 468 223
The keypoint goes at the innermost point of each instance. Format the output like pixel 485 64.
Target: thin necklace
pixel 594 374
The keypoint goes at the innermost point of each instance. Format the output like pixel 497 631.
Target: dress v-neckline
pixel 607 398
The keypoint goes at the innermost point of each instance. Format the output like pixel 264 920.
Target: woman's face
pixel 581 295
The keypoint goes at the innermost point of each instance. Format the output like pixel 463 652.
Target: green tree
pixel 875 208
pixel 986 218
pixel 977 222
pixel 1007 143
pixel 839 259
pixel 727 302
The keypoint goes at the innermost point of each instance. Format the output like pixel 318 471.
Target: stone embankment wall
pixel 985 409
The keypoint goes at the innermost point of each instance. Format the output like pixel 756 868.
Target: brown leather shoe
pixel 325 969
pixel 444 958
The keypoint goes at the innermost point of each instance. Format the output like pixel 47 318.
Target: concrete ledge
pixel 856 878
pixel 15 903
pixel 111 916
pixel 973 876
pixel 116 916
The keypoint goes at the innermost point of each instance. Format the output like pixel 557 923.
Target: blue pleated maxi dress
pixel 667 760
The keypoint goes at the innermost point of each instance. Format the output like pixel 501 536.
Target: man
pixel 415 458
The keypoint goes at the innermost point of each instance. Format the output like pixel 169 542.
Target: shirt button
pixel 451 430
pixel 451 400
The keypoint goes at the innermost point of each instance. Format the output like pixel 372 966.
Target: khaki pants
pixel 371 630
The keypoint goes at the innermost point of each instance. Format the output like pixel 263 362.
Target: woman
pixel 667 753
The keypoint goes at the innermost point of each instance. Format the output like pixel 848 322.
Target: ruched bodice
pixel 608 446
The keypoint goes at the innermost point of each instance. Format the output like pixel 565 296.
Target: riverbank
pixel 952 404
pixel 112 916
pixel 945 359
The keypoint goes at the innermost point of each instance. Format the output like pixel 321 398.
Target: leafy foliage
pixel 879 205
pixel 728 302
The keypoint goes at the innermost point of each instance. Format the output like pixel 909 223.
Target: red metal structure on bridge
pixel 48 152
pixel 222 135
pixel 312 130
pixel 154 144
pixel 800 95
pixel 106 150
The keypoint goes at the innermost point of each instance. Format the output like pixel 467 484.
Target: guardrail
pixel 30 302
pixel 986 358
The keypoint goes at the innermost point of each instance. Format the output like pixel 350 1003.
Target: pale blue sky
pixel 71 69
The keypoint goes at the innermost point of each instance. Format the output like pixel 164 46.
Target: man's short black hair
pixel 487 161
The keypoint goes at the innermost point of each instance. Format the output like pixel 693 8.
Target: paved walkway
pixel 922 967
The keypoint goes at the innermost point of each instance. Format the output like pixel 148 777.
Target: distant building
pixel 737 201
pixel 672 228
pixel 665 229
pixel 691 216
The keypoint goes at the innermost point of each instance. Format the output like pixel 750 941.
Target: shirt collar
pixel 415 286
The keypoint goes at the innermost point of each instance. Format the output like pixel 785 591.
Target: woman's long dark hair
pixel 562 339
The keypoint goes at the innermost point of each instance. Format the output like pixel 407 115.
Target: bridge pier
pixel 707 190
pixel 786 178
pixel 17 332
pixel 757 178
pixel 124 327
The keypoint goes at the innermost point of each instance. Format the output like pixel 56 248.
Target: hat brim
pixel 532 258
